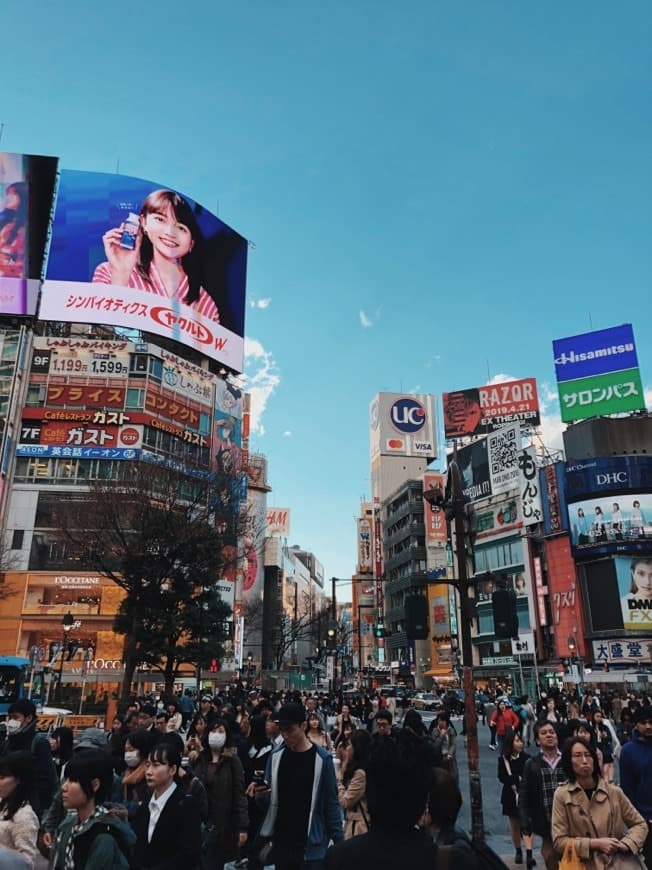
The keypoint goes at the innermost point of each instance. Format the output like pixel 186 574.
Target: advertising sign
pixel 613 393
pixel 635 589
pixel 616 523
pixel 171 408
pixel 609 474
pixel 85 396
pixel 128 252
pixel 403 425
pixel 365 565
pixel 43 450
pixel 483 409
pixel 504 452
pixel 440 617
pixel 80 434
pixel 595 353
pixel 226 591
pixel 227 440
pixel 499 518
pixel 278 521
pixel 473 463
pixel 187 379
pixel 434 517
pixel 530 487
pixel 555 517
pixel 26 190
pixel 597 374
pixel 623 651
pixel 523 645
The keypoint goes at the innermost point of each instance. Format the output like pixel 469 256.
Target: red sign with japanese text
pixel 166 406
pixel 435 518
pixel 483 409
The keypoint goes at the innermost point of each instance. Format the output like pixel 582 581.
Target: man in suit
pixel 168 827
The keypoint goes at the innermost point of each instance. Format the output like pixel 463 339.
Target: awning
pixel 438 671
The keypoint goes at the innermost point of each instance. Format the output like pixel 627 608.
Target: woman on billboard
pixel 635 586
pixel 159 251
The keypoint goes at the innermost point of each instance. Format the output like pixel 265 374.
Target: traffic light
pixel 503 602
pixel 331 636
pixel 379 630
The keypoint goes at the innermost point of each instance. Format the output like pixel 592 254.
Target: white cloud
pixel 260 303
pixel 365 321
pixel 287 433
pixel 648 398
pixel 262 380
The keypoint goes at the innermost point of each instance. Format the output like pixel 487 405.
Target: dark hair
pixel 87 766
pixel 566 758
pixel 166 752
pixel 313 714
pixel 257 734
pixel 414 722
pixel 212 723
pixel 24 707
pixel 163 714
pixel 65 737
pixel 142 740
pixel 399 776
pixel 361 744
pixel 508 746
pixel 22 766
pixel 633 588
pixel 444 799
pixel 345 732
pixel 385 715
pixel 541 723
pixel 192 730
pixel 17 216
pixel 192 263
pixel 172 738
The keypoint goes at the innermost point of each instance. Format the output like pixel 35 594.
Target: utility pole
pixel 462 516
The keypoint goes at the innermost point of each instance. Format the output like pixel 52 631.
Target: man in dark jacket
pixel 399 777
pixel 636 772
pixel 541 777
pixel 22 735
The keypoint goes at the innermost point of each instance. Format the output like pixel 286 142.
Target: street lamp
pixel 66 624
pixel 250 660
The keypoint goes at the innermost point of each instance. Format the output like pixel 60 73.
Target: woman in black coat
pixel 510 770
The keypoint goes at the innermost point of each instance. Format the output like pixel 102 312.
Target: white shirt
pixel 156 806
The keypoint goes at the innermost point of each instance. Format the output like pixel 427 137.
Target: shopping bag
pixel 570 860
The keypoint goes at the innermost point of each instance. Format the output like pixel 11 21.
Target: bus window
pixel 9 684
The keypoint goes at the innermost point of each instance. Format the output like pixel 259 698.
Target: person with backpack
pixel 92 836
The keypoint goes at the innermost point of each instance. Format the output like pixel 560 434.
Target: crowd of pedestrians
pixel 306 783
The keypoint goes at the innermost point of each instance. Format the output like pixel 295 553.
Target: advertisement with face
pixel 483 409
pixel 473 462
pixel 635 589
pixel 26 189
pixel 129 252
pixel 612 523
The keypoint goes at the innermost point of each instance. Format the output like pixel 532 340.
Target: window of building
pixel 17 539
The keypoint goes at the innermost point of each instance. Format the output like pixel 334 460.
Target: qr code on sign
pixel 504 448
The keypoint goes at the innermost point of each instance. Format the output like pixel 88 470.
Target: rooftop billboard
pixel 402 425
pixel 597 373
pixel 129 252
pixel 480 410
pixel 26 190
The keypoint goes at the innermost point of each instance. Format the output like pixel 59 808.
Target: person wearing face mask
pixel 22 736
pixel 221 772
pixel 133 785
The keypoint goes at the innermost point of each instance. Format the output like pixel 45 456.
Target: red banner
pixel 435 518
pixel 165 406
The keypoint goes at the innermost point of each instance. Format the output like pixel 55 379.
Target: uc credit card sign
pixel 595 353
pixel 402 425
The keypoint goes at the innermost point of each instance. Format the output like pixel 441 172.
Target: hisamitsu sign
pixel 595 353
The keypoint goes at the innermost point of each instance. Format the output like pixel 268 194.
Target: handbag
pixel 570 860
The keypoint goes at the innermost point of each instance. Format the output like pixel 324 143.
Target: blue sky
pixel 435 190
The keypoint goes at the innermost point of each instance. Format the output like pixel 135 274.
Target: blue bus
pixel 19 679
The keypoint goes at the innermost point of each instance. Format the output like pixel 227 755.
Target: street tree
pixel 164 537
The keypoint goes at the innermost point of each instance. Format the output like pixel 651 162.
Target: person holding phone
pixel 163 255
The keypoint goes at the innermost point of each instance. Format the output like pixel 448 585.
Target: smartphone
pixel 259 777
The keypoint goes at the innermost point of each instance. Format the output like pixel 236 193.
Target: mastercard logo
pixel 395 444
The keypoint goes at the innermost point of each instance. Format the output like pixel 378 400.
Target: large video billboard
pixel 597 373
pixel 635 589
pixel 402 425
pixel 483 409
pixel 129 252
pixel 473 462
pixel 610 504
pixel 26 189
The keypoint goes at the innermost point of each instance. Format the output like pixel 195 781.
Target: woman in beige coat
pixel 353 785
pixel 593 813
